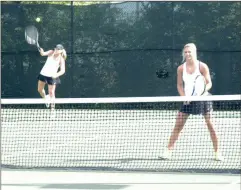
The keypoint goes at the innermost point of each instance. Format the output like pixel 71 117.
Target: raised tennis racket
pixel 31 36
pixel 199 86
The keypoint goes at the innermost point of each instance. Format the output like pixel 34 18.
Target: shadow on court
pixel 69 186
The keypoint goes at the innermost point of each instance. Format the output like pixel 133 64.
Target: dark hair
pixel 59 47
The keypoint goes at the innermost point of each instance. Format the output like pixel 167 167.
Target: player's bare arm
pixel 62 68
pixel 180 81
pixel 205 72
pixel 45 53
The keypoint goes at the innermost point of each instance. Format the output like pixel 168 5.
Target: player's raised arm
pixel 45 53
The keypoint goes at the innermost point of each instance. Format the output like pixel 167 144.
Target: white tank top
pixel 189 79
pixel 51 66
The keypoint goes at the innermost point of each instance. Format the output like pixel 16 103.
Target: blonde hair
pixel 64 54
pixel 193 48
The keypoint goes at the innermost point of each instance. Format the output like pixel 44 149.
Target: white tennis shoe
pixel 218 156
pixel 166 155
pixel 47 100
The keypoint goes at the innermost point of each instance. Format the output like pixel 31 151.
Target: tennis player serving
pixel 53 68
pixel 186 75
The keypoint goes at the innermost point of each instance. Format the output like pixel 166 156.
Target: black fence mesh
pixel 115 49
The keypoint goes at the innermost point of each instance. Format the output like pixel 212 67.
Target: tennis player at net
pixel 53 68
pixel 186 75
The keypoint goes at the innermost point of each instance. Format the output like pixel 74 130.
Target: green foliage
pixel 76 3
pixel 115 49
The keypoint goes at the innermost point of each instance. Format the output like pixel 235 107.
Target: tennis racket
pixel 199 86
pixel 31 36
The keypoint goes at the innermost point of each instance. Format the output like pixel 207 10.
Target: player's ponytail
pixel 64 54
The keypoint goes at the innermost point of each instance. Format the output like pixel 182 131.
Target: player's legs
pixel 180 122
pixel 213 135
pixel 51 89
pixel 41 90
pixel 42 80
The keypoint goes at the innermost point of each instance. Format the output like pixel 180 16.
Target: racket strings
pixel 199 86
pixel 30 40
pixel 31 35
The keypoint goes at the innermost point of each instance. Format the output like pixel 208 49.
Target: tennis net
pixel 119 134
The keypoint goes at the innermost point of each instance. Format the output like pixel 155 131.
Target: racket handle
pixel 38 47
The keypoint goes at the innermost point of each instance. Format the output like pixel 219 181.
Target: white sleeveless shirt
pixel 51 66
pixel 189 79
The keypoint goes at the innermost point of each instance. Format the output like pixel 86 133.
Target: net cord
pixel 124 99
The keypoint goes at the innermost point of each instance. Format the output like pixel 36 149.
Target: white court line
pixel 181 187
pixel 78 177
pixel 234 185
pixel 129 187
pixel 38 180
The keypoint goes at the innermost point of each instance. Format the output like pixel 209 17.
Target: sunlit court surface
pixel 68 180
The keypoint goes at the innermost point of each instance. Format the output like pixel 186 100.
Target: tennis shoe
pixel 52 103
pixel 218 157
pixel 166 155
pixel 52 113
pixel 52 107
pixel 47 101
